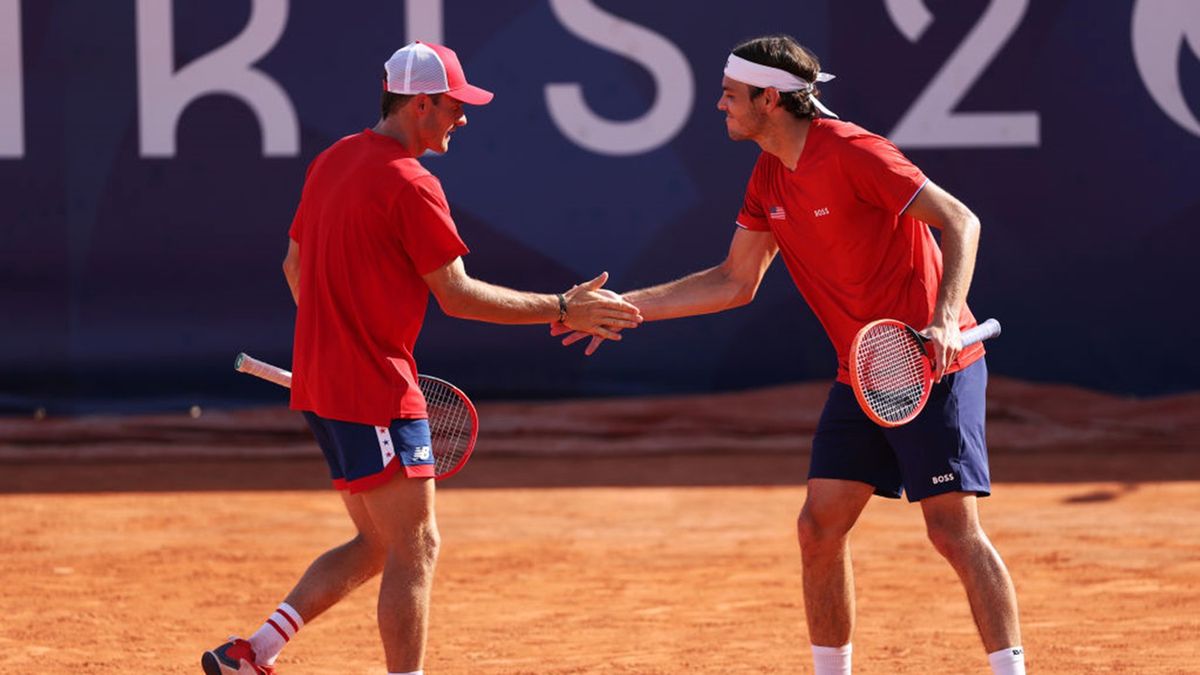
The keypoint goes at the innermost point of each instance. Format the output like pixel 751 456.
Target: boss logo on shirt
pixel 821 212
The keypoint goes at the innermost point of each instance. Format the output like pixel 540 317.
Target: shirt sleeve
pixel 753 216
pixel 296 231
pixel 880 174
pixel 427 231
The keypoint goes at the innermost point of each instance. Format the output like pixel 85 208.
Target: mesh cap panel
pixel 416 69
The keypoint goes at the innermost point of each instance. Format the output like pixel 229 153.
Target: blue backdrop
pixel 152 153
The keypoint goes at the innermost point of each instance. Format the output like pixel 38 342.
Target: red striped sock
pixel 275 633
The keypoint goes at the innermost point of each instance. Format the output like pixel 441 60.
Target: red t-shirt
pixel 371 221
pixel 838 220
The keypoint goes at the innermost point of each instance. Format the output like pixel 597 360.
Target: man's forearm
pixel 481 301
pixel 960 243
pixel 705 292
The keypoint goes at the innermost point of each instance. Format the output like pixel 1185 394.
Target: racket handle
pixel 984 331
pixel 244 363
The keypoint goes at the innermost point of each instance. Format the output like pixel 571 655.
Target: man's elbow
pixel 453 308
pixel 741 290
pixel 969 233
pixel 745 295
pixel 966 222
pixel 453 302
pixel 738 290
pixel 972 223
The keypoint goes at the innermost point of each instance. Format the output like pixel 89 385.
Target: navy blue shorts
pixel 942 450
pixel 361 456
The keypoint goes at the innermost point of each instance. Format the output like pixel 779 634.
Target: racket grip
pixel 984 331
pixel 244 363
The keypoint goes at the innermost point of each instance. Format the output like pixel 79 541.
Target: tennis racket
pixel 891 369
pixel 453 422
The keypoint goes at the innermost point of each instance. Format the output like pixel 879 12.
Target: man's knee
pixel 819 534
pixel 956 542
pixel 402 518
pixel 416 549
pixel 372 550
pixel 429 544
pixel 829 512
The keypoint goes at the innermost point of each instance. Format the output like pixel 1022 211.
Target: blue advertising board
pixel 152 154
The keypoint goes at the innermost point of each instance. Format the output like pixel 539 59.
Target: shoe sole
pixel 209 663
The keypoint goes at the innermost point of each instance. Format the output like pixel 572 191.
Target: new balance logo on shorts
pixel 421 453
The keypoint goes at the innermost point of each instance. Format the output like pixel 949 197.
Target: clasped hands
pixel 595 312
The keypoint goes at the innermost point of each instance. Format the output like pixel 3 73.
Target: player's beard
pixel 747 127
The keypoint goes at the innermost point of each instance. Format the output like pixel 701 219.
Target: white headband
pixel 758 75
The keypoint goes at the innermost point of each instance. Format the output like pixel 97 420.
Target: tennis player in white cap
pixel 372 237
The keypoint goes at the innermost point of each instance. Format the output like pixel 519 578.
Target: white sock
pixel 1008 661
pixel 831 660
pixel 276 631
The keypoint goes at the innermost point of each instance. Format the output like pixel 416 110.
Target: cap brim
pixel 471 95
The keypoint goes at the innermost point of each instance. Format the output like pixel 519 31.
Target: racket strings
pixel 450 424
pixel 891 366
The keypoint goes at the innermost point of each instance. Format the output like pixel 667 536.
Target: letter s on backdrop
pixel 674 89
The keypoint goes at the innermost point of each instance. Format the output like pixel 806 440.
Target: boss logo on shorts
pixel 944 478
pixel 421 453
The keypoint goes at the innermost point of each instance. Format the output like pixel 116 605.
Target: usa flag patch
pixel 777 213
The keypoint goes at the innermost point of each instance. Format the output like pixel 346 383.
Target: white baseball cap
pixel 427 68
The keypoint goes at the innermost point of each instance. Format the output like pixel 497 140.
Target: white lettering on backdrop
pixel 164 93
pixel 673 85
pixel 12 105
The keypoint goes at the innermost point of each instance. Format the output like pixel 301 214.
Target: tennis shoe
pixel 235 657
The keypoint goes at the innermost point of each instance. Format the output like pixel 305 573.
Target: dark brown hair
pixel 783 52
pixel 390 103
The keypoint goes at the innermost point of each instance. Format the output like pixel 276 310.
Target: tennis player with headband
pixel 851 215
pixel 372 237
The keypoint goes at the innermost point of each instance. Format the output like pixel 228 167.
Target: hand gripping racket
pixel 453 422
pixel 891 370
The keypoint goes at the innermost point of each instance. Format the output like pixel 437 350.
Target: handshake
pixel 595 312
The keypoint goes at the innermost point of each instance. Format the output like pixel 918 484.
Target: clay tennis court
pixel 628 536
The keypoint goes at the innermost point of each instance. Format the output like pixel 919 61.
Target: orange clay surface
pixel 617 536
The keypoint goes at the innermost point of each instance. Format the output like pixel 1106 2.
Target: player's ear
pixel 770 97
